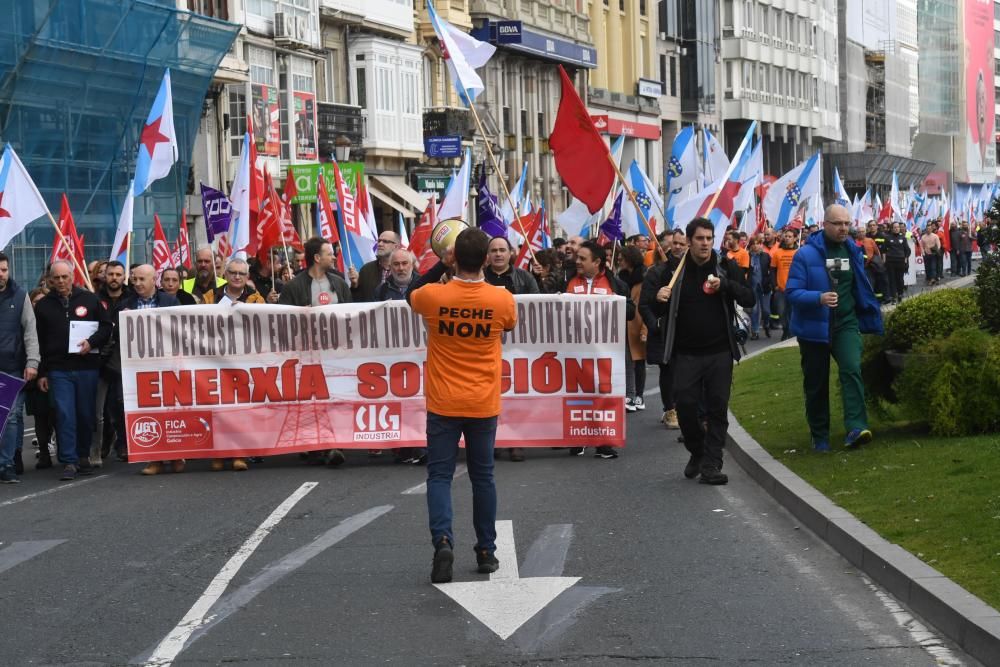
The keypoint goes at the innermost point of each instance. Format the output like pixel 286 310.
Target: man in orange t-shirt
pixel 465 319
pixel 781 263
pixel 738 253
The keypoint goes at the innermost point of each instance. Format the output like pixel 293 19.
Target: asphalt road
pixel 121 569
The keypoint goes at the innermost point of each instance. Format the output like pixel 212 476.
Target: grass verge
pixel 939 498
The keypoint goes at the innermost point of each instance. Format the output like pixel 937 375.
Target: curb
pixel 955 612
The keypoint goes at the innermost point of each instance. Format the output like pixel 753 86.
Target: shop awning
pixel 378 194
pixel 397 187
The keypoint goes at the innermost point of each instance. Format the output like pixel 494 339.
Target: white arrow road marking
pixel 18 552
pixel 174 642
pixel 506 602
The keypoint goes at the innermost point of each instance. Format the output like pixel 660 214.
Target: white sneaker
pixel 639 403
pixel 629 405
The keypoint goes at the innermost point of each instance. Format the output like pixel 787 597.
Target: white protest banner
pixel 260 380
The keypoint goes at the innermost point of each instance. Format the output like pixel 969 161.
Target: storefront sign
pixel 613 126
pixel 305 178
pixel 443 146
pixel 650 88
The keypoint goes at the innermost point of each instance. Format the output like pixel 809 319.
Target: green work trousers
pixel 846 350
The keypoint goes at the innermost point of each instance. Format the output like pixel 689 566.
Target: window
pixel 362 100
pixel 673 76
pixel 261 65
pixel 302 75
pixel 727 14
pixel 996 13
pixel 663 72
pixel 262 8
pixel 747 75
pixel 642 7
pixel 215 8
pixel 543 129
pixel 730 66
pixel 996 39
pixel 238 117
pixel 506 121
pixel 621 5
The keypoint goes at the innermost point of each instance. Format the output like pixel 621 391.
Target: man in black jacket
pixel 318 285
pixel 68 314
pixel 375 272
pixel 499 270
pixel 112 295
pixel 896 251
pixel 698 341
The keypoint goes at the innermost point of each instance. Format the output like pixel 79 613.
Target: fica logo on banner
pixel 171 432
pixel 587 418
pixel 377 422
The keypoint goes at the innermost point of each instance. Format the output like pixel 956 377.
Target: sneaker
pixel 334 458
pixel 576 451
pixel 443 559
pixel 692 467
pixel 487 561
pixel 857 437
pixel 239 465
pixel 154 468
pixel 629 405
pixel 606 452
pixel 68 473
pixel 639 403
pixel 9 476
pixel 670 419
pixel 713 477
pixel 821 446
pixel 516 454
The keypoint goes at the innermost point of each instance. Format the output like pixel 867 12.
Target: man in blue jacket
pixel 832 305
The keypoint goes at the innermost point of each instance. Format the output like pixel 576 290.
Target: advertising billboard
pixel 265 109
pixel 980 150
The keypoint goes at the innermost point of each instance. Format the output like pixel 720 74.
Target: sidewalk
pixel 961 616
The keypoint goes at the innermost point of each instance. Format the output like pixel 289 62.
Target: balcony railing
pixel 335 120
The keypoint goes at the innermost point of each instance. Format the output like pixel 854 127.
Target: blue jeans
pixel 442 453
pixel 761 309
pixel 73 396
pixel 13 433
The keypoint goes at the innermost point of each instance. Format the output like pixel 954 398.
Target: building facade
pixel 780 67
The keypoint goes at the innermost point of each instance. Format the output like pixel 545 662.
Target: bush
pixel 876 373
pixel 931 315
pixel 988 280
pixel 950 384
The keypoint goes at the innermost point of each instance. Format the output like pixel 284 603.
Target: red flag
pixel 290 191
pixel 70 247
pixel 225 248
pixel 274 224
pixel 258 185
pixel 327 223
pixel 580 153
pixel 945 233
pixel 886 212
pixel 161 249
pixel 348 206
pixel 289 235
pixel 183 245
pixel 533 238
pixel 420 240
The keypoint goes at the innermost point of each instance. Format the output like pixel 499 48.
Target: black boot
pixel 18 462
pixel 44 458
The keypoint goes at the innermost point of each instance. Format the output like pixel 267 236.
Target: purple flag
pixel 10 385
pixel 218 211
pixel 490 219
pixel 612 227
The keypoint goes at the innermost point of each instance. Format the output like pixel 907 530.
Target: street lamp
pixel 342 148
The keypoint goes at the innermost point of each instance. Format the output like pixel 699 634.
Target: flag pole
pixel 503 184
pixel 64 242
pixel 631 196
pixel 718 191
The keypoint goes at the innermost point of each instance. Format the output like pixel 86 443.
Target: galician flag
pixel 840 195
pixel 464 54
pixel 20 201
pixel 792 191
pixel 239 197
pixel 158 141
pixel 119 249
pixel 682 168
pixel 648 199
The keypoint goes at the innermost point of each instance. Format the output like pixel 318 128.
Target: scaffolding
pixel 77 79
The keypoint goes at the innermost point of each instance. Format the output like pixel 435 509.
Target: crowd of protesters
pixel 75 397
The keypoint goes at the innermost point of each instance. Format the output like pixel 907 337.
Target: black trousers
pixel 706 380
pixel 667 386
pixel 897 273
